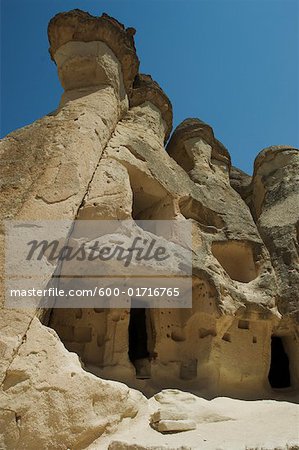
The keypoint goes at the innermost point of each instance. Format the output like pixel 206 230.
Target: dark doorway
pixel 279 374
pixel 138 343
pixel 137 334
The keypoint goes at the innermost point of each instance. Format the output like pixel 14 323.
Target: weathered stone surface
pixel 120 445
pixel 101 155
pixel 241 182
pixel 167 414
pixel 146 89
pixel 221 423
pixel 46 167
pixel 173 426
pixel 234 303
pixel 190 128
pixel 172 420
pixel 177 405
pixel 77 25
pixel 45 386
pixel 275 207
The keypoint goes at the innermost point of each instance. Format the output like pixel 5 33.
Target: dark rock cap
pixel 193 127
pixel 77 25
pixel 146 89
pixel 270 152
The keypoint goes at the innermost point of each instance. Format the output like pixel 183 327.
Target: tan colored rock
pixel 241 182
pixel 275 199
pixel 120 445
pixel 225 423
pixel 174 426
pixel 171 420
pixel 45 386
pixel 77 25
pixel 102 155
pixel 47 166
pixel 146 89
pixel 234 305
pixel 206 150
pixel 167 414
pixel 275 207
pixel 46 170
pixel 222 267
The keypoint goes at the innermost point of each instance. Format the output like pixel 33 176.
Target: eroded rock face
pixel 75 27
pixel 241 182
pixel 103 157
pixel 275 207
pixel 275 200
pixel 46 171
pixel 45 386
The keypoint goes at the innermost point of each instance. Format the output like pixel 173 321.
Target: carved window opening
pixel 243 324
pixel 144 205
pixel 237 259
pixel 227 337
pixel 150 198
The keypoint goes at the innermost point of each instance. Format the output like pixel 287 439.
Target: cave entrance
pixel 139 342
pixel 279 373
pixel 237 259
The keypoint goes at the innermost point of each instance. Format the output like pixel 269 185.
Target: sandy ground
pixel 222 424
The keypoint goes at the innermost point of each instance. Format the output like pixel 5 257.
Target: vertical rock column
pixel 137 178
pixel 275 207
pixel 138 140
pixel 48 166
pixel 124 188
pixel 275 202
pixel 230 254
pixel 138 145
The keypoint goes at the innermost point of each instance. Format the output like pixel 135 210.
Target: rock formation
pixel 102 155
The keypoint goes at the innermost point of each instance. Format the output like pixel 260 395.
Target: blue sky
pixel 232 63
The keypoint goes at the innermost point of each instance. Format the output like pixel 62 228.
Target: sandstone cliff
pixel 102 155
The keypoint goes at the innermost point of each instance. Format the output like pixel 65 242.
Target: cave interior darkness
pixel 279 373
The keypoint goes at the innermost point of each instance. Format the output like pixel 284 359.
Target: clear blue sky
pixel 232 63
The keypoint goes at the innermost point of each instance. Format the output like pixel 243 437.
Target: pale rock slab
pixel 167 414
pixel 174 426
